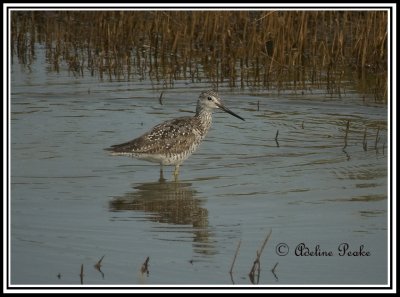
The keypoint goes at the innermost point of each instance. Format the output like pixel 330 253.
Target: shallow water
pixel 71 203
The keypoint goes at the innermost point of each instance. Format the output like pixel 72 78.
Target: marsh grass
pixel 280 50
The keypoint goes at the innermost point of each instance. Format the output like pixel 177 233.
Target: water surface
pixel 72 203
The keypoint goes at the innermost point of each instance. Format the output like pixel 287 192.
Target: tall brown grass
pixel 258 49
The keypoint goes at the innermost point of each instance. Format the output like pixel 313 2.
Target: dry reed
pixel 279 50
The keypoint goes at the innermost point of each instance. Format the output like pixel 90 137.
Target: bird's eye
pixel 209 98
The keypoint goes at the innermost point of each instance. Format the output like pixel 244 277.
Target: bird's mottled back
pixel 172 137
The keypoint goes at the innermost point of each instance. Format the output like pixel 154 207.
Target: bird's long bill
pixel 221 106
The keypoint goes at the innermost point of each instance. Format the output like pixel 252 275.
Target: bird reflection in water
pixel 171 203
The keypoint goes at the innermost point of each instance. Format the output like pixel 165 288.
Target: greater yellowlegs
pixel 173 141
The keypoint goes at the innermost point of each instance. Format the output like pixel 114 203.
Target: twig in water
pixel 273 270
pixel 256 263
pixel 347 132
pixel 98 266
pixel 234 259
pixel 365 146
pixel 265 243
pixel 347 154
pixel 276 138
pixel 160 99
pixel 258 105
pixel 81 274
pixel 145 266
pixel 377 140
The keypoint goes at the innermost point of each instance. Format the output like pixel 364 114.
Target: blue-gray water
pixel 71 203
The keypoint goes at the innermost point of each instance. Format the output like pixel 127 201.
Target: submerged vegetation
pixel 298 50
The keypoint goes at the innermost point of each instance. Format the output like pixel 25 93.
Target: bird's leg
pixel 176 172
pixel 162 179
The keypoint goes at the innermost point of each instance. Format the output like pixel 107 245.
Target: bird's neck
pixel 205 117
